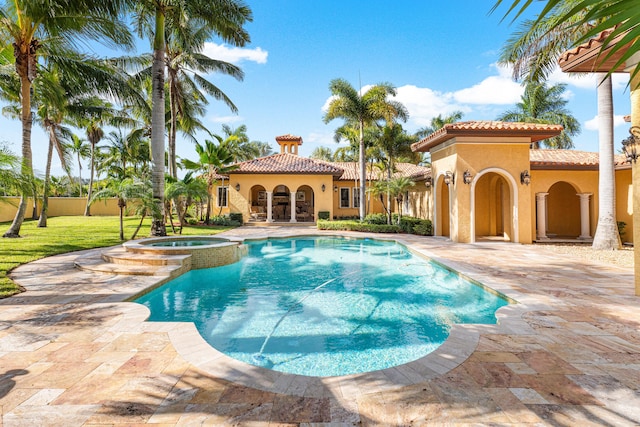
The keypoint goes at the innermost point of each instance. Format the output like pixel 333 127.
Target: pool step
pixel 97 262
pixel 120 255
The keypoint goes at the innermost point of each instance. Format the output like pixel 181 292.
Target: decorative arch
pixel 513 201
pixel 305 203
pixel 442 207
pixel 563 210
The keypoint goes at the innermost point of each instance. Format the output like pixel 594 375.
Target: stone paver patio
pixel 73 353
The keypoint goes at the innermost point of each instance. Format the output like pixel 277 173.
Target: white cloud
pixel 618 120
pixel 586 80
pixel 235 55
pixel 424 103
pixel 496 90
pixel 226 119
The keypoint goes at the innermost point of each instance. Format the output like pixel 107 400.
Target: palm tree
pixel 534 52
pixel 30 26
pixel 127 155
pixel 184 62
pixel 80 148
pixel 125 190
pixel 10 177
pixel 397 188
pixel 224 18
pixel 594 16
pixel 544 104
pixel 438 122
pixel 363 109
pixel 185 192
pixel 322 153
pixel 213 160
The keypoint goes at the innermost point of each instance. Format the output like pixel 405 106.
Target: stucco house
pixel 485 182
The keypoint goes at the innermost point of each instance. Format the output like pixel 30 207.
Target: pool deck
pixel 73 353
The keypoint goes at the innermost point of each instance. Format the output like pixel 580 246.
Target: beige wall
pixel 240 201
pixel 59 206
pixel 624 202
pixel 468 202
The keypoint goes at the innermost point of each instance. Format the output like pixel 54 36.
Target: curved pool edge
pixel 460 344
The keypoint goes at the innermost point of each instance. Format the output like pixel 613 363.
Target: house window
pixel 356 197
pixel 344 197
pixel 222 197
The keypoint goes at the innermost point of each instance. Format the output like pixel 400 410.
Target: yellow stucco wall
pixel 563 204
pixel 59 206
pixel 481 156
pixel 624 202
pixel 240 201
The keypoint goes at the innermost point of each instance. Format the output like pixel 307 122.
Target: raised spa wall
pixel 204 256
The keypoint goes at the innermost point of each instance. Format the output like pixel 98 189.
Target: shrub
pixel 237 217
pixel 357 226
pixel 621 228
pixel 323 215
pixel 407 223
pixel 423 228
pixel 376 218
pixel 192 221
pixel 224 220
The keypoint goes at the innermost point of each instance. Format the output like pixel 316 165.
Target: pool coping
pixel 461 343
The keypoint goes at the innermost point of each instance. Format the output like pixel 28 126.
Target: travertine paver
pixel 73 353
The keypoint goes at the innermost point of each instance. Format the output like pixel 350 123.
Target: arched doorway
pixel 563 211
pixel 305 205
pixel 258 203
pixel 443 208
pixel 493 202
pixel 281 203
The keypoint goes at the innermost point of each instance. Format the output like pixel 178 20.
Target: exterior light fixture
pixel 449 178
pixel 525 177
pixel 323 188
pixel 238 187
pixel 428 182
pixel 335 188
pixel 630 144
pixel 467 177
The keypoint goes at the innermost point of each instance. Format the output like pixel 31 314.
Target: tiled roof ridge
pixel 600 38
pixel 287 163
pixel 288 137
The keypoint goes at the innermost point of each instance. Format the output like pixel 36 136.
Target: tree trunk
pixel 158 227
pixel 87 209
pixel 27 158
pixel 42 222
pixel 363 171
pixel 79 175
pixel 607 236
pixel 173 104
pixel 135 233
pixel 122 205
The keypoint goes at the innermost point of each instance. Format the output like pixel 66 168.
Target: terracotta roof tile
pixel 352 171
pixel 286 163
pixel 592 55
pixel 536 131
pixel 289 137
pixel 568 158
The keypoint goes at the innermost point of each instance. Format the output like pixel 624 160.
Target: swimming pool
pixel 324 306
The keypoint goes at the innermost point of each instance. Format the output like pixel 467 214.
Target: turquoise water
pixel 324 306
pixel 185 243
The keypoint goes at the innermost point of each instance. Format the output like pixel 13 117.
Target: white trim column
pixel 585 219
pixel 541 214
pixel 269 206
pixel 292 202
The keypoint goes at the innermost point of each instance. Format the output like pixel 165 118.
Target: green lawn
pixel 66 234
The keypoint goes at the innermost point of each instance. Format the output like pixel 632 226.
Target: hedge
pixel 374 224
pixel 357 226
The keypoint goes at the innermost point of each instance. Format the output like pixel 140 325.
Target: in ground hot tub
pixel 205 251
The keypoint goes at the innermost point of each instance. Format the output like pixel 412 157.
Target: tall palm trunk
pixel 157 127
pixel 87 208
pixel 363 171
pixel 607 236
pixel 173 104
pixel 42 222
pixel 27 162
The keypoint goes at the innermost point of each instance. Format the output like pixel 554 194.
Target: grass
pixel 66 234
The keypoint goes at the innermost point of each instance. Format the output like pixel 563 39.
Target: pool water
pixel 186 243
pixel 324 306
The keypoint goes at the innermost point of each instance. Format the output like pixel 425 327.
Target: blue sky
pixel 441 56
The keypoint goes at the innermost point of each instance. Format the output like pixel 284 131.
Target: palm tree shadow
pixel 6 380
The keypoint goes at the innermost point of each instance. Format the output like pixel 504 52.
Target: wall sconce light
pixel 238 187
pixel 467 177
pixel 525 178
pixel 323 188
pixel 335 188
pixel 630 144
pixel 449 178
pixel 428 182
